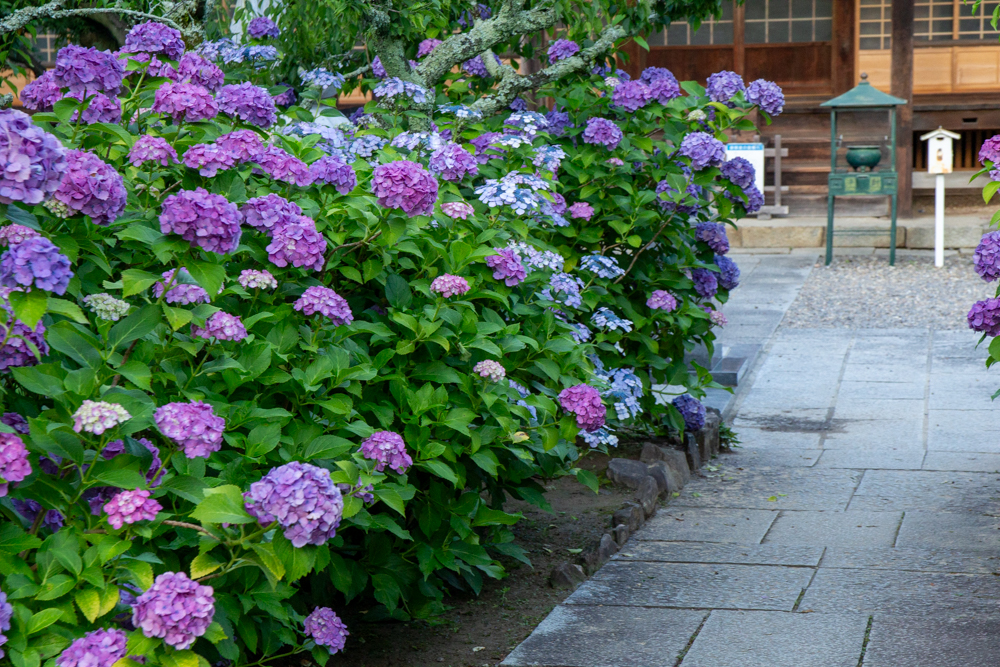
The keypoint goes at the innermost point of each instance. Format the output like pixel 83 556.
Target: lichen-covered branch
pixel 22 17
pixel 54 10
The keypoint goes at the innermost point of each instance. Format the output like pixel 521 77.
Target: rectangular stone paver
pixel 890 434
pixel 911 558
pixel 787 488
pixel 760 439
pixel 963 431
pixel 778 639
pixel 708 525
pixel 752 458
pixel 903 640
pixel 962 461
pixel 839 528
pixel 694 585
pixel 952 530
pixel 708 552
pixel 860 459
pixel 906 490
pixel 579 636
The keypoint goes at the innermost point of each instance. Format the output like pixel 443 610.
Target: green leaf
pixel 89 602
pixel 187 487
pixel 990 190
pixel 64 108
pixel 29 306
pixel 437 371
pixel 397 292
pixel 588 479
pixel 298 561
pixel 56 587
pixel 44 618
pixel 209 276
pixel 67 309
pixel 351 273
pixel 37 380
pixel 269 559
pixel 135 281
pixel 176 317
pixel 22 217
pixel 224 505
pixel 204 564
pixel 391 498
pixel 14 540
pixel 486 460
pixel 135 326
pixel 140 232
pixel 137 373
pixel 327 447
pixel 67 339
pixel 263 439
pixel 441 469
pixel 640 41
pixel 123 479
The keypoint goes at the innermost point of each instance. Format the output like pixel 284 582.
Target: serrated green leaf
pixel 224 505
pixel 89 602
pixel 30 306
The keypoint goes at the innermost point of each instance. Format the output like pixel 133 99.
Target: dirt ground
pixel 481 631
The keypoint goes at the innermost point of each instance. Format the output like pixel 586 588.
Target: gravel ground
pixel 865 292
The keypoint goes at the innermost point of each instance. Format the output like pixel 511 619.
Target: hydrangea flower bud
pixel 302 499
pixel 106 306
pixel 36 262
pixel 98 416
pixel 661 300
pixel 131 506
pixel 174 609
pixel 386 448
pixel 251 279
pixel 194 426
pixel 691 410
pixel 202 219
pixel 585 403
pixel 92 187
pixel 100 648
pixel 448 285
pixel 14 465
pixel 490 369
pixel 325 301
pixel 221 326
pixel 324 626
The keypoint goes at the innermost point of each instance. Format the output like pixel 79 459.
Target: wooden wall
pixel 940 69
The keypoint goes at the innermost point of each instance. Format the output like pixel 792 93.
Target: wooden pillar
pixel 844 19
pixel 739 50
pixel 902 86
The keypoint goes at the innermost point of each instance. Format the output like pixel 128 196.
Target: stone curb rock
pixel 630 515
pixel 621 534
pixel 692 451
pixel 567 575
pixel 647 495
pixel 598 553
pixel 627 472
pixel 667 480
pixel 707 437
pixel 675 460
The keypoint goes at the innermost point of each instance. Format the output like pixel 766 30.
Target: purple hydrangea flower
pixel 507 266
pixel 990 151
pixel 243 145
pixel 603 132
pixel 325 301
pixel 986 257
pixel 98 416
pixel 395 87
pixel 706 282
pixel 729 273
pixel 35 262
pixel 985 317
pixel 30 508
pixel 15 421
pixel 664 88
pixel 333 171
pixel 92 187
pixel 15 352
pixel 262 27
pixel 767 95
pixel 558 123
pixel 714 234
pixel 323 78
pixel 252 279
pixel 203 219
pixel 182 293
pixel 131 506
pixel 324 626
pixel 377 69
pixel 453 163
pixel 100 108
pixel 669 206
pixel 221 326
pixel 476 67
pixel 661 300
pixel 285 98
pixel 42 93
pixel 14 465
pixel 155 68
pixel 194 69
pixel 6 614
pixel 152 149
pixel 88 70
pixel 717 318
pixel 426 46
pixel 457 209
pixel 270 212
pixel 299 244
pixel 34 161
pixel 174 609
pixel 302 499
pixel 448 285
pixel 14 233
pixel 631 96
pixel 252 104
pixel 723 86
pixel 194 426
pixel 154 38
pixel 100 648
pixel 562 49
pixel 558 203
pixel 185 102
pixel 405 185
pixel 691 410
pixel 703 149
pixel 155 473
pixel 282 166
pixel 491 369
pixel 208 159
pixel 581 209
pixel 739 172
pixel 564 288
pixel 753 198
pixel 386 448
pixel 651 74
pixel 585 403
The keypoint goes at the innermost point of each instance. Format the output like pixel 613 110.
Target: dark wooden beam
pixel 844 19
pixel 739 50
pixel 902 86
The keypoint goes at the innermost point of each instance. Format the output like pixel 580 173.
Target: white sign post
pixel 939 162
pixel 752 153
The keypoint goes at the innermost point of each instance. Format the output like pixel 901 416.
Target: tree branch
pixel 23 17
pixel 112 10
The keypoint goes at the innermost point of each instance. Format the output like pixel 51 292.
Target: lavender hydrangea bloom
pixel 476 67
pixel 661 300
pixel 457 210
pixel 152 149
pixel 367 145
pixel 262 27
pixel 155 68
pixel 581 209
pixel 984 317
pixel 506 265
pixel 714 234
pixel 92 187
pixel 185 102
pixel 703 149
pixel 729 273
pixel 174 609
pixel 242 145
pixel 15 421
pixel 603 132
pixel 558 123
pixel 377 69
pixel 154 38
pixel 270 212
pixel 986 258
pixel 14 465
pixel 325 627
pixel 6 614
pixel 34 160
pixel 87 70
pixel 767 95
pixel 282 166
pixel 15 352
pixel 603 266
pixel 488 368
pixel 395 87
pixel 194 426
pixel 562 49
pixel 208 159
pixel 706 282
pixel 426 46
pixel 651 74
pixel 35 262
pixel 203 219
pixel 448 285
pixel 194 69
pixel 717 318
pixel 100 108
pixel 405 185
pixel 386 449
pixel 251 104
pixel 751 199
pixel 299 244
pixel 723 86
pixel 564 288
pixel 333 171
pixel 739 172
pixel 14 233
pixel 100 648
pixel 585 403
pixel 131 506
pixel 42 93
pixel 990 151
pixel 221 326
pixel 664 89
pixel 691 410
pixel 182 293
pixel 453 163
pixel 30 509
pixel 302 499
pixel 631 96
pixel 325 301
pixel 253 279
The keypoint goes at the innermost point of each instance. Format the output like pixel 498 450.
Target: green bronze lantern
pixel 863 153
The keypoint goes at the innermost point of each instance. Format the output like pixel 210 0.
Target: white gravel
pixel 865 292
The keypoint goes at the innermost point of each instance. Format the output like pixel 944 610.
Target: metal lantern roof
pixel 863 95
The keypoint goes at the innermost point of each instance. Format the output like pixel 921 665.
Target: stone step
pixel 961 231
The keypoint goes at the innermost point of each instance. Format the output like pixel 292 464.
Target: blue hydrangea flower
pixel 367 145
pixel 729 273
pixel 528 122
pixel 507 191
pixel 564 288
pixel 604 267
pixel 606 319
pixel 601 436
pixel 395 87
pixel 582 333
pixel 548 157
pixel 322 78
pixel 460 111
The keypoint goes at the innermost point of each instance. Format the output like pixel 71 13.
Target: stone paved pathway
pixel 859 525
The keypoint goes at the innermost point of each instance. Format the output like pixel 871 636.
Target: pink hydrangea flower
pixel 585 402
pixel 661 300
pixel 325 627
pixel 457 210
pixel 325 301
pixel 302 499
pixel 14 465
pixel 221 326
pixel 386 448
pixel 299 244
pixel 174 609
pixel 131 506
pixel 194 426
pixel 208 159
pixel 405 185
pixel 152 149
pixel 448 285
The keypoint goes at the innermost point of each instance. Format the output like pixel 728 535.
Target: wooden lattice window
pixel 934 20
pixel 712 31
pixel 874 24
pixel 978 25
pixel 45 47
pixel 784 21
